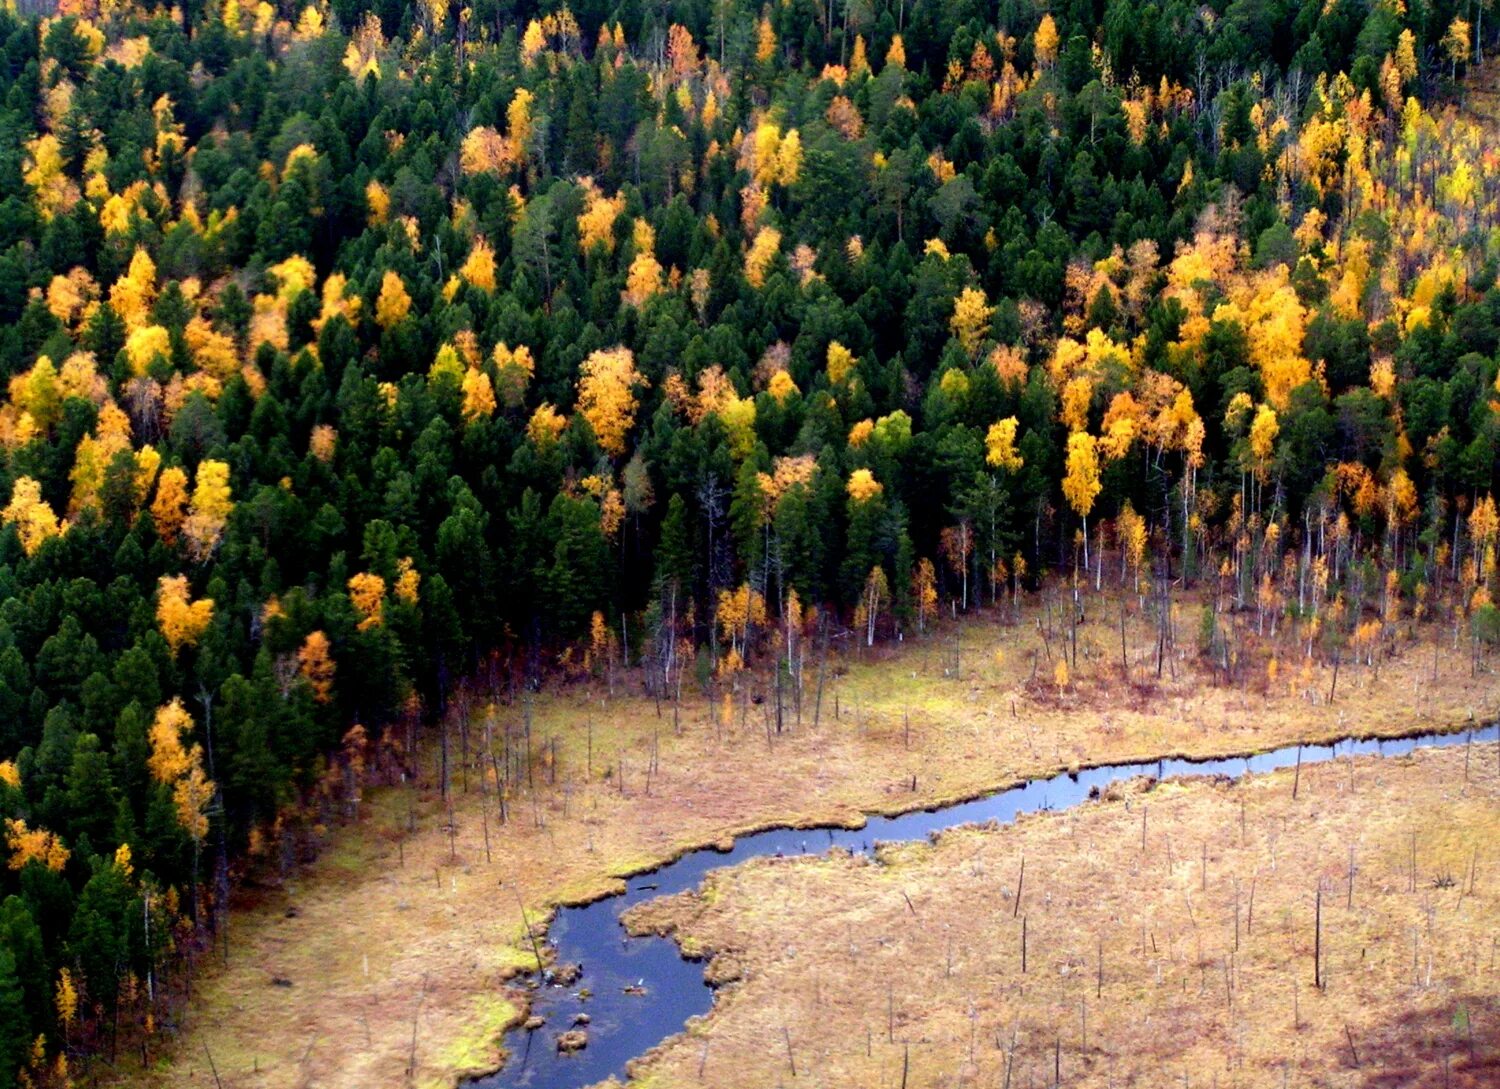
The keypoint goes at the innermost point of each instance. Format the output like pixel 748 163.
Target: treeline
pixel 348 346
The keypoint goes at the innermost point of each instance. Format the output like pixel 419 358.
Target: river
pixel 636 992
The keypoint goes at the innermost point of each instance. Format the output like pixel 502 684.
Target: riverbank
pixel 1330 925
pixel 396 936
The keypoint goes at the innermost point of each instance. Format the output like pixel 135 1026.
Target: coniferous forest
pixel 354 349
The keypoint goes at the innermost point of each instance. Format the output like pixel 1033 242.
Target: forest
pixel 356 349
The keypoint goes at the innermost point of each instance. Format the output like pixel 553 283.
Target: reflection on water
pixel 640 990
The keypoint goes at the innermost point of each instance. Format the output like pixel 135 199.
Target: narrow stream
pixel 665 990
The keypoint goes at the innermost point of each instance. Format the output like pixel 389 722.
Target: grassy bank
pixel 1191 934
pixel 408 929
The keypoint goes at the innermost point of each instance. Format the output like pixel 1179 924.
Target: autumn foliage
pixel 342 359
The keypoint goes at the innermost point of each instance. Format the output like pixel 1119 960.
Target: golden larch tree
pixel 55 192
pixel 971 319
pixel 33 517
pixel 761 253
pixel 1131 528
pixel 485 151
pixel 132 294
pixel 606 396
pixel 1263 431
pixel 393 303
pixel 840 363
pixel 34 845
pixel 1081 485
pixel 533 41
pixel 863 486
pixel 38 393
pixel 518 119
pixel 209 509
pixel 408 581
pixel 789 158
pixel 180 767
pixel 1046 42
pixel 377 203
pixel 643 280
pixel 479 395
pixel 1000 445
pixel 181 619
pixel 145 344
pixel 1455 43
pixel 596 223
pixel 479 267
pixel 323 442
pixel 66 1000
pixel 1406 55
pixel 94 453
pixel 545 426
pixel 513 369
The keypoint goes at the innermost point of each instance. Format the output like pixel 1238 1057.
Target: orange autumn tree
pixel 367 594
pixel 1484 527
pixel 169 508
pixel 924 592
pixel 315 663
pixel 957 544
pixel 408 581
pixel 323 442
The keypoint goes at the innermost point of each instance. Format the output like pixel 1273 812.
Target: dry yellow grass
pixel 1147 967
pixel 391 931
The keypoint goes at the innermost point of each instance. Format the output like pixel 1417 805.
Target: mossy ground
pixel 394 927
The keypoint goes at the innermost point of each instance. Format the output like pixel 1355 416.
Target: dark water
pixel 623 1026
